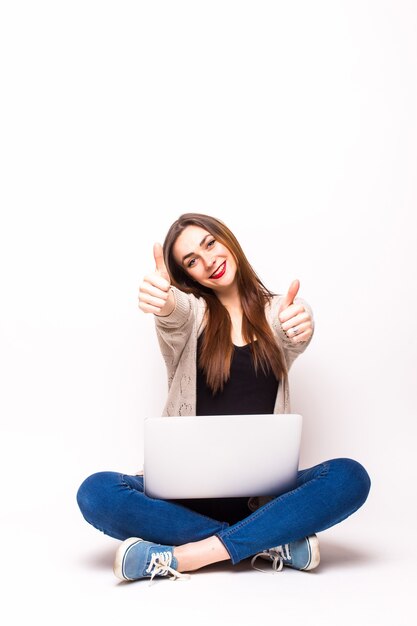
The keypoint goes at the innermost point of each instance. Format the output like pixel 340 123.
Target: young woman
pixel 228 343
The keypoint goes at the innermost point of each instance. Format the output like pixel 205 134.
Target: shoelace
pixel 277 555
pixel 160 564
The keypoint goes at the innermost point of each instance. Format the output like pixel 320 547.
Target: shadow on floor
pixel 335 554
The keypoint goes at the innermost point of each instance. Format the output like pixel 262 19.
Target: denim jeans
pixel 325 494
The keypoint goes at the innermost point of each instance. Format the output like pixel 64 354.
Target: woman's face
pixel 204 256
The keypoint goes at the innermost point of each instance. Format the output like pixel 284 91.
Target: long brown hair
pixel 217 346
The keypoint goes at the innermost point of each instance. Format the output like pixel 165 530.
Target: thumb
pixel 159 261
pixel 291 295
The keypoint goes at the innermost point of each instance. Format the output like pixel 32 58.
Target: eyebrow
pixel 191 253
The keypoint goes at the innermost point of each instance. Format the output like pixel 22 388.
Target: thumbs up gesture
pixel 295 321
pixel 154 291
pixel 160 263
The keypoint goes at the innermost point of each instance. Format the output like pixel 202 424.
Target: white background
pixel 295 124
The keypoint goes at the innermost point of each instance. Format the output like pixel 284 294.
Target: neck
pixel 230 299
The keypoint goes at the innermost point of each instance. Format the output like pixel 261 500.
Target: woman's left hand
pixel 295 321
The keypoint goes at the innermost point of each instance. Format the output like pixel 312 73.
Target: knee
pixel 353 479
pixel 91 492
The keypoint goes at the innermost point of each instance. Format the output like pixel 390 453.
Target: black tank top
pixel 245 393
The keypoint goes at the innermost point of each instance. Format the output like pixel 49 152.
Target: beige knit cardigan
pixel 177 335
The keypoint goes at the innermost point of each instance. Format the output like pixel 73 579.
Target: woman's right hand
pixel 154 291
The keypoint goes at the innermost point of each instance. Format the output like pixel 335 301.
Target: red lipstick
pixel 221 271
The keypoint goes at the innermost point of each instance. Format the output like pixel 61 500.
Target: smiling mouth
pixel 219 270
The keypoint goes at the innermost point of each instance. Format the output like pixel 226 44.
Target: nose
pixel 211 265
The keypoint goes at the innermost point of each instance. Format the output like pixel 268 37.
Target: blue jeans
pixel 326 494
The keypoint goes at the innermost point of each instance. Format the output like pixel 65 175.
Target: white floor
pixel 57 569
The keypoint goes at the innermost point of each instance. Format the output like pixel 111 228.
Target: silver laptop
pixel 221 456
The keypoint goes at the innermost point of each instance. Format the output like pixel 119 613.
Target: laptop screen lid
pixel 221 456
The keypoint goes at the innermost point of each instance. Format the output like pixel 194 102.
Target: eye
pixel 209 243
